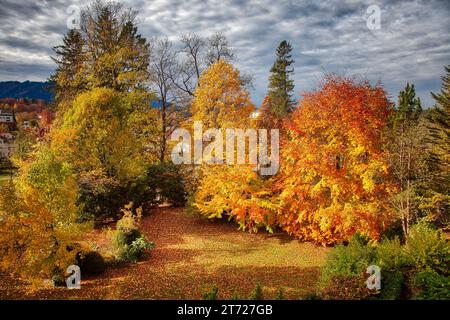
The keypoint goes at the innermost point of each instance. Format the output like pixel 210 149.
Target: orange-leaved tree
pixel 334 179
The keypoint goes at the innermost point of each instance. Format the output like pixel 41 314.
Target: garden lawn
pixel 192 255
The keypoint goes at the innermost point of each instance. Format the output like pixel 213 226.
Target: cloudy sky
pixel 412 43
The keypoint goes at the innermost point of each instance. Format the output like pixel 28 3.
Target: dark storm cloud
pixel 413 43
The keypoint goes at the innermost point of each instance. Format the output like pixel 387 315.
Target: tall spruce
pixel 409 106
pixel 436 190
pixel 69 59
pixel 281 85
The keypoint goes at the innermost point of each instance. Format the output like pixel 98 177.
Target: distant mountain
pixel 26 89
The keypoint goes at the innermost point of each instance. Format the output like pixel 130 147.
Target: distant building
pixel 7 145
pixel 7 140
pixel 7 116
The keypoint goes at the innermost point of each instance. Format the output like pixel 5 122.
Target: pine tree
pixel 440 126
pixel 280 84
pixel 409 106
pixel 436 188
pixel 69 59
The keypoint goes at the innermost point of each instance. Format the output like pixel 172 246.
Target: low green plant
pixel 90 262
pixel 127 243
pixel 280 295
pixel 429 285
pixel 346 261
pixel 391 285
pixel 426 249
pixel 210 294
pixel 257 293
pixel 390 255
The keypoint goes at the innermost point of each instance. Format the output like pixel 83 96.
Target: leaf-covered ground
pixel 191 256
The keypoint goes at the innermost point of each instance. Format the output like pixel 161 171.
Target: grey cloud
pixel 413 43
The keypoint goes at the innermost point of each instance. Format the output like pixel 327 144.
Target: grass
pixel 192 255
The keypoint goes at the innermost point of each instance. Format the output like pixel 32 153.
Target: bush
pixel 211 294
pixel 90 263
pixel 344 273
pixel 391 285
pixel 429 285
pixel 58 280
pixel 257 293
pixel 280 295
pixel 390 255
pixel 98 195
pixel 168 180
pixel 426 255
pixel 127 243
pixel 101 196
pixel 426 248
pixel 346 288
pixel 348 261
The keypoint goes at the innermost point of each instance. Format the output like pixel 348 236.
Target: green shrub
pixel 168 180
pixel 429 285
pixel 58 280
pixel 312 296
pixel 426 252
pixel 391 285
pixel 344 275
pixel 127 243
pixel 90 263
pixel 137 248
pixel 211 294
pixel 96 195
pixel 257 293
pixel 426 248
pixel 101 196
pixel 280 295
pixel 348 261
pixel 390 255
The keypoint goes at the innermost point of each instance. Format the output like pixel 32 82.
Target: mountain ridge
pixel 26 89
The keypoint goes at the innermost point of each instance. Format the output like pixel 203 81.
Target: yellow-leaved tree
pixel 40 229
pixel 232 189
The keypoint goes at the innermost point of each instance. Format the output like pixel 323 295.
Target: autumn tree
pixel 233 189
pixel 220 100
pixel 107 51
pixel 267 117
pixel 95 135
pixel 333 179
pixel 40 230
pixel 117 55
